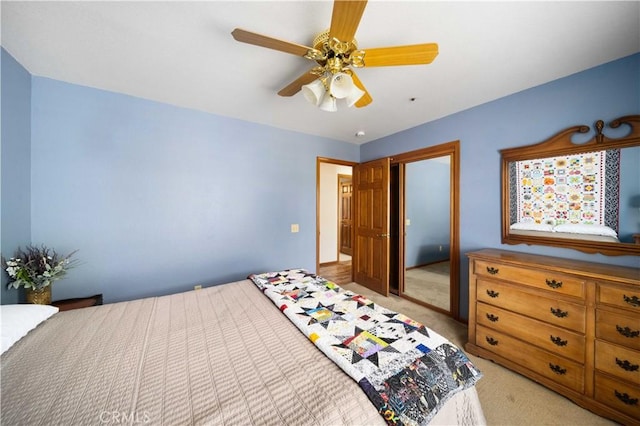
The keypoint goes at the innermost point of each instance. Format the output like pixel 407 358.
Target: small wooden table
pixel 79 302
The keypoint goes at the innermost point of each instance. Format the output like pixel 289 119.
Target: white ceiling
pixel 182 53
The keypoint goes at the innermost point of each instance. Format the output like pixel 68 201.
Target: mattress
pixel 223 355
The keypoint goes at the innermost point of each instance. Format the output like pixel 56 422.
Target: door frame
pixel 449 148
pixel 338 162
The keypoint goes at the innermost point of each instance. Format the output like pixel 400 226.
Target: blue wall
pixel 15 152
pixel 605 92
pixel 158 198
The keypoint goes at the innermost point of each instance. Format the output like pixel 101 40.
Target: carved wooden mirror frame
pixel 558 145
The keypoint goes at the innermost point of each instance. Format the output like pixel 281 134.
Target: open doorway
pixel 334 214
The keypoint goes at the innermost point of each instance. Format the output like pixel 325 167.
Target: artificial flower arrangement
pixel 36 267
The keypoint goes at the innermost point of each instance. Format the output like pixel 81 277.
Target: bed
pixel 221 355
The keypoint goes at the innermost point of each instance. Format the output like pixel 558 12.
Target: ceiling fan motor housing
pixel 335 55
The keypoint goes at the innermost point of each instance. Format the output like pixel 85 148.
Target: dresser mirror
pixel 575 193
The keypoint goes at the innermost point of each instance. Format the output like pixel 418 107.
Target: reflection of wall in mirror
pixel 629 193
pixel 427 209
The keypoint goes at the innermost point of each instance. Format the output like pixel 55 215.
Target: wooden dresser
pixel 573 326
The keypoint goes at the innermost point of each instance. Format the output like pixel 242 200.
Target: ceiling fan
pixel 336 52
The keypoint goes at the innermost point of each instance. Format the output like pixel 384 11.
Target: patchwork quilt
pixel 566 189
pixel 407 370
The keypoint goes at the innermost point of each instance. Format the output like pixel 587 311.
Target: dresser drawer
pixel 624 297
pixel 554 339
pixel 618 395
pixel 546 280
pixel 548 309
pixel 618 361
pixel 560 370
pixel 618 328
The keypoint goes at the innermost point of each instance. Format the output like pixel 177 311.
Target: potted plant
pixel 36 268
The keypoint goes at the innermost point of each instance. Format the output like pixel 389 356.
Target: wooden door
pixel 345 191
pixel 371 245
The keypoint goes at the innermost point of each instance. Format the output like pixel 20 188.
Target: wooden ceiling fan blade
pixel 346 18
pixel 295 86
pixel 249 37
pixel 415 54
pixel 366 99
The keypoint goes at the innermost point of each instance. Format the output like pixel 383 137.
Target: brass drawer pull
pixel 492 293
pixel 557 369
pixel 492 270
pixel 633 300
pixel 624 397
pixel 627 332
pixel 558 341
pixel 492 318
pixel 626 365
pixel 554 284
pixel 491 341
pixel 559 313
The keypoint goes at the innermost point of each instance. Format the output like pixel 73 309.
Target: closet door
pixel 371 245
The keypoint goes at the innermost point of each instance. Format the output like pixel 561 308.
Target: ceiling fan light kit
pixel 329 104
pixel 337 86
pixel 342 85
pixel 333 77
pixel 314 91
pixel 353 97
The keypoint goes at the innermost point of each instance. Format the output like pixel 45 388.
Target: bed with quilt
pixel 281 348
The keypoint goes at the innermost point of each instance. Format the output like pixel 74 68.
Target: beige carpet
pixel 429 283
pixel 507 398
